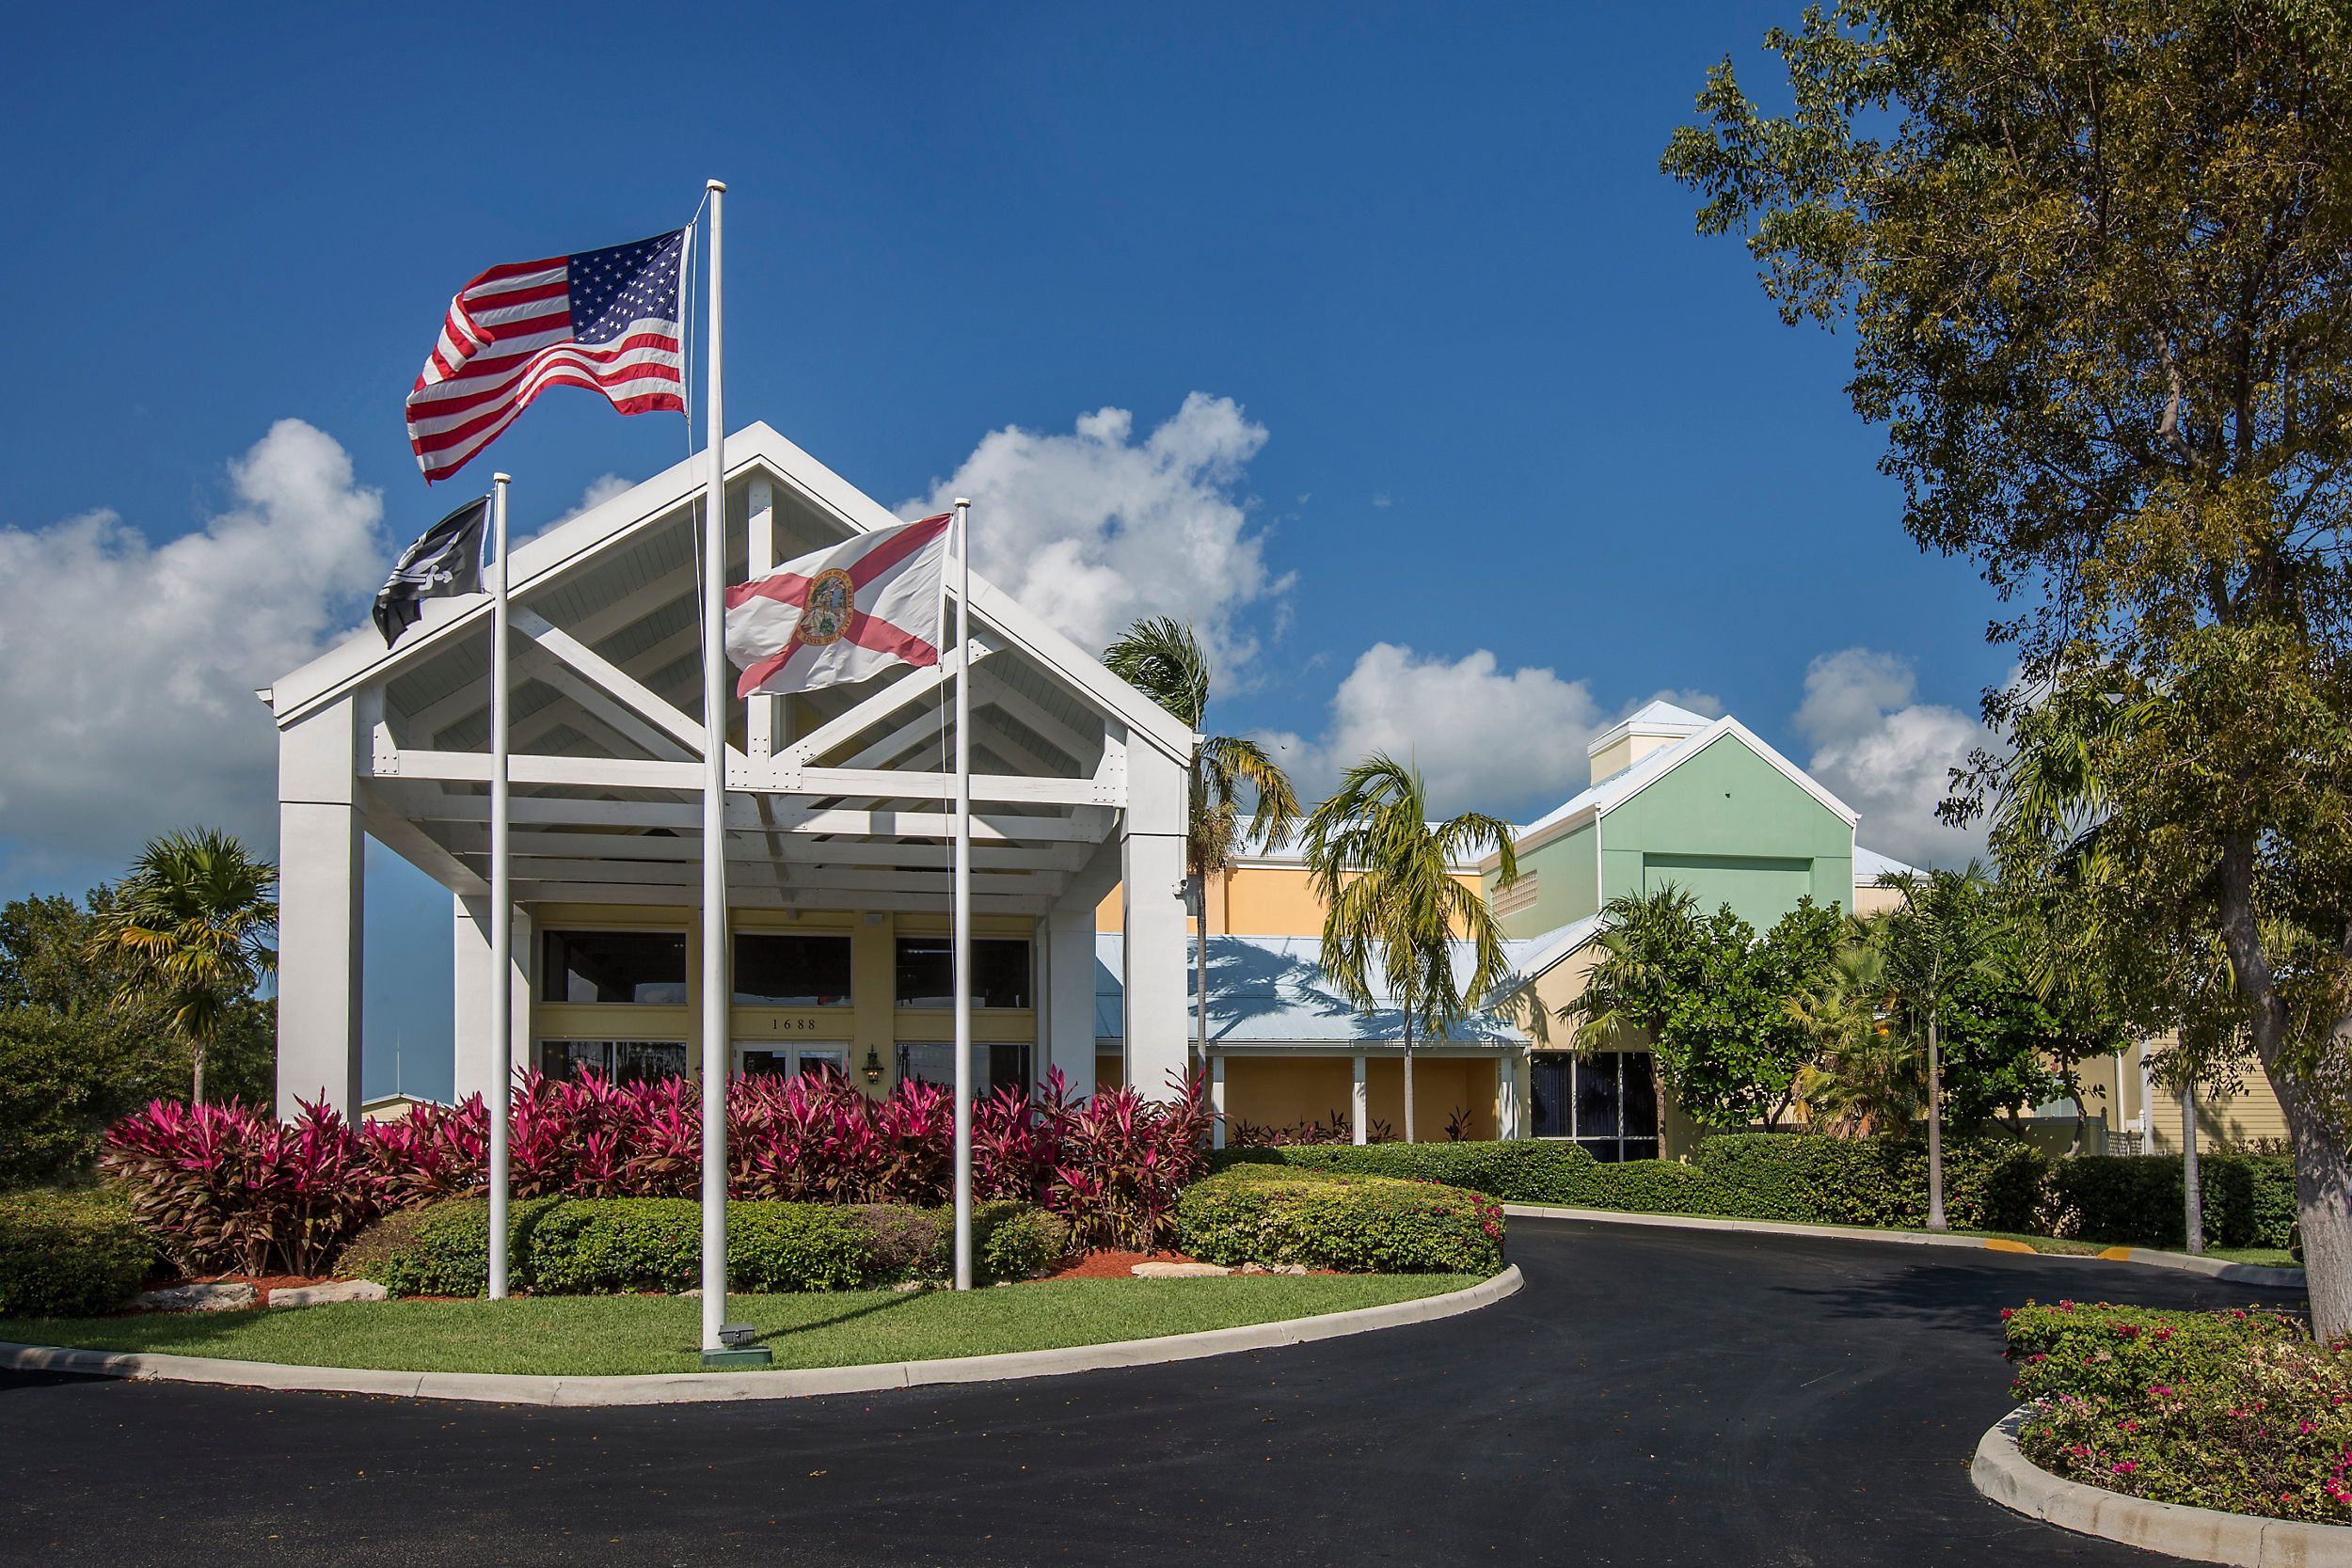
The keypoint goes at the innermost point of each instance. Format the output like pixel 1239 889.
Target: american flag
pixel 608 320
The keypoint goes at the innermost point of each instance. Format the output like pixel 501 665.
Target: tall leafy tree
pixel 2093 254
pixel 1393 911
pixel 1162 658
pixel 1708 999
pixel 193 925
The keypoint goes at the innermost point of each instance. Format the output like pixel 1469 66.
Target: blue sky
pixel 1493 396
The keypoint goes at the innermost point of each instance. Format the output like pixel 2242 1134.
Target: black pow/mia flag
pixel 445 563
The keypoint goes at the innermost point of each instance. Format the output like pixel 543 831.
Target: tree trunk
pixel 2192 1184
pixel 2323 1163
pixel 195 1075
pixel 2323 1202
pixel 1935 1131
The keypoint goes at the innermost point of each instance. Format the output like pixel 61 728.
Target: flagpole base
pixel 737 1358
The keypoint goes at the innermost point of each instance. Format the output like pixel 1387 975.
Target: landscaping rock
pixel 197 1298
pixel 1253 1268
pixel 1177 1271
pixel 321 1296
pixel 1290 1268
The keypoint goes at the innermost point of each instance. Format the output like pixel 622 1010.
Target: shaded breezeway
pixel 1652 1397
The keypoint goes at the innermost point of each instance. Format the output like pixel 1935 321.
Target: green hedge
pixel 1990 1183
pixel 582 1246
pixel 1251 1213
pixel 2248 1199
pixel 68 1254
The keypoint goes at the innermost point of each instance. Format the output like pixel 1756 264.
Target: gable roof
pixel 1600 800
pixel 536 562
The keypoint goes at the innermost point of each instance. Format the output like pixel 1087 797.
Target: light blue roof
pixel 1869 865
pixel 1269 990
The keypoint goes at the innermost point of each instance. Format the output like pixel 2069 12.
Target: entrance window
pixel 994 1066
pixel 786 969
pixel 766 1059
pixel 1608 1104
pixel 927 979
pixel 623 1061
pixel 647 968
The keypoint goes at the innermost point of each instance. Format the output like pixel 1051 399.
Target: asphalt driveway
pixel 1652 1397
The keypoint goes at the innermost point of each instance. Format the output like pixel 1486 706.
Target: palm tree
pixel 192 922
pixel 1940 935
pixel 1163 659
pixel 1867 1077
pixel 1384 872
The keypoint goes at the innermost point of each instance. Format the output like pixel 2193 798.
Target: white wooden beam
pixel 613 679
pixel 774 898
pixel 846 727
pixel 895 785
pixel 529 769
pixel 647 737
pixel 422 802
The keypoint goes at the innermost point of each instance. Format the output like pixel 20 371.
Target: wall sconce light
pixel 873 1065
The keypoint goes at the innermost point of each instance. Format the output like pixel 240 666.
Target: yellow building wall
pixel 1286 1091
pixel 1253 900
pixel 2249 1115
pixel 1283 1091
pixel 873 1021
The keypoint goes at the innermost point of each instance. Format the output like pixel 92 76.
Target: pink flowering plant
pixel 2235 1410
pixel 226 1188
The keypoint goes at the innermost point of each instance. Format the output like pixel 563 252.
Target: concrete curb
pixel 2199 1534
pixel 2262 1276
pixel 704 1387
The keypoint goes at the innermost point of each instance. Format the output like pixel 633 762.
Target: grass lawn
pixel 578 1336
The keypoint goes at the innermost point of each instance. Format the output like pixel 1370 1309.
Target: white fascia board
pixel 360 657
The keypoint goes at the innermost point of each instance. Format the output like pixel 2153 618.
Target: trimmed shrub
pixel 1251 1213
pixel 1523 1170
pixel 586 1247
pixel 68 1255
pixel 1018 1240
pixel 2230 1410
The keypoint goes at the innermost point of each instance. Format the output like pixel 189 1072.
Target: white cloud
pixel 1094 529
pixel 1887 755
pixel 600 489
pixel 1509 742
pixel 127 669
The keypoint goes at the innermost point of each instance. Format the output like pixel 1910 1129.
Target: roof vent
pixel 1652 727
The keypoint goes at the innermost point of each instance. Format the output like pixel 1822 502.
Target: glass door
pixel 783 1059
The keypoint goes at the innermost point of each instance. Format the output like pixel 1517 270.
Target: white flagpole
pixel 963 893
pixel 501 901
pixel 714 926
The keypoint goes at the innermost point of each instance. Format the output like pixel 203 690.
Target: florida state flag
pixel 841 614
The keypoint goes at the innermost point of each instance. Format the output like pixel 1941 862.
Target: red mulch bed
pixel 1109 1264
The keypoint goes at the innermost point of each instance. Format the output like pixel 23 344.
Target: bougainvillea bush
pixel 2233 1410
pixel 224 1187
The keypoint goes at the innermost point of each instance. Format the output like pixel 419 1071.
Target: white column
pixel 1067 933
pixel 1216 1100
pixel 1510 1094
pixel 1357 1102
pixel 1157 949
pixel 321 874
pixel 471 972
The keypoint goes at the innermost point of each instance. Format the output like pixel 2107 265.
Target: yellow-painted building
pixel 1675 797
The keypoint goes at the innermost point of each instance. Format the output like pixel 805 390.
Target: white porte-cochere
pixel 839 807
